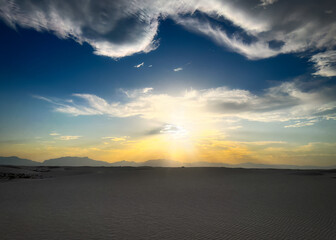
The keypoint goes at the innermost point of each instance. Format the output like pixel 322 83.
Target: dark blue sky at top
pixel 40 63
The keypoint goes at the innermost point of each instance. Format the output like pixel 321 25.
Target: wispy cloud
pixel 102 30
pixel 290 101
pixel 139 65
pixel 54 134
pixel 67 138
pixel 325 63
pixel 267 2
pixel 178 69
pixel 174 130
pixel 117 139
pixel 44 99
pixel 302 124
pixel 58 136
pixel 123 28
pixel 137 92
pixel 256 50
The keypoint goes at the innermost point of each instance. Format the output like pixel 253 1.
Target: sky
pixel 196 80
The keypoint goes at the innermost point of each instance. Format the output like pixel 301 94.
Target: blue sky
pixel 235 81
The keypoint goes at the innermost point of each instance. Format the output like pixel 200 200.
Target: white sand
pixel 163 203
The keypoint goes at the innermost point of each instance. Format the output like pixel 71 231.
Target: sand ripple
pixel 127 203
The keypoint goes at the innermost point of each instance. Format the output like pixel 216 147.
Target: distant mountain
pixel 149 163
pixel 160 163
pixel 85 161
pixel 254 165
pixel 278 166
pixel 124 163
pixel 18 161
pixel 74 161
pixel 206 164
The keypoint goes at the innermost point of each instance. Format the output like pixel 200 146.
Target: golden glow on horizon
pixel 205 146
pixel 187 136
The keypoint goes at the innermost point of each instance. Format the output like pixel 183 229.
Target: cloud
pixel 113 28
pixel 291 101
pixel 174 130
pixel 302 124
pixel 124 27
pixel 178 69
pixel 117 139
pixel 44 99
pixel 139 65
pixel 137 92
pixel 54 134
pixel 67 138
pixel 267 32
pixel 267 2
pixel 257 50
pixel 325 63
pixel 150 66
pixel 59 136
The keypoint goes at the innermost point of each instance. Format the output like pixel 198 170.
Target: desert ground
pixel 166 203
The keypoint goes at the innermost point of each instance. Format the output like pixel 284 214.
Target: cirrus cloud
pixel 297 101
pixel 178 69
pixel 67 138
pixel 139 65
pixel 122 28
pixel 325 63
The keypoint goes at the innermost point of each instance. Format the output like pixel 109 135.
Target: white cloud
pixel 150 66
pixel 54 134
pixel 121 28
pixel 302 124
pixel 174 130
pixel 178 69
pixel 117 139
pixel 139 65
pixel 101 24
pixel 137 92
pixel 67 138
pixel 59 136
pixel 285 102
pixel 267 2
pixel 255 50
pixel 325 63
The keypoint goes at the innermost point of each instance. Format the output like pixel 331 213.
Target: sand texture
pixel 167 203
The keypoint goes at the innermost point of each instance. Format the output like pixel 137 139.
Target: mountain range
pixel 85 161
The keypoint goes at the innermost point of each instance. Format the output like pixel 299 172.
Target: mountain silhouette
pixel 74 161
pixel 17 161
pixel 85 161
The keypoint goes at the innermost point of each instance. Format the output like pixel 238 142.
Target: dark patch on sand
pixel 15 172
pixel 310 172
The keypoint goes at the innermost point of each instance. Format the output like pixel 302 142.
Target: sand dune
pixel 169 203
